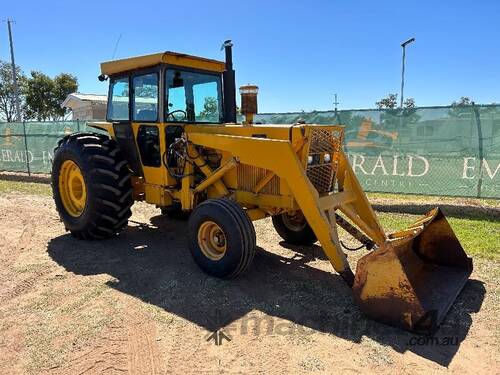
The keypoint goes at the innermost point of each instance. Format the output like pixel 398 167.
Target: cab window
pixel 145 98
pixel 118 107
pixel 193 96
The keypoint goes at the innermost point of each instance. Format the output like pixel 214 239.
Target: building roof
pixel 172 58
pixel 76 98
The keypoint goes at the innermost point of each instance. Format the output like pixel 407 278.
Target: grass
pixel 479 236
pixel 33 188
pixel 433 198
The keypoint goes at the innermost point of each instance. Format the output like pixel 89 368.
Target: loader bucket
pixel 412 280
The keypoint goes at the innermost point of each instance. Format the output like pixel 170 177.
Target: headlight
pixel 309 160
pixel 327 158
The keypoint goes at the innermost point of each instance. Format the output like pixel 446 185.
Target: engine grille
pixel 322 173
pixel 248 176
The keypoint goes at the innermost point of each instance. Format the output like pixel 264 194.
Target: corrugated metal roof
pixel 79 97
pixel 93 97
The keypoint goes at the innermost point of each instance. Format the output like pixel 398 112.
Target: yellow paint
pixel 106 126
pixel 256 214
pixel 186 193
pixel 170 58
pixel 72 189
pixel 212 240
pixel 156 194
pixel 215 176
pixel 265 201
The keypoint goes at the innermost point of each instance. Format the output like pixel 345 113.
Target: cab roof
pixel 171 58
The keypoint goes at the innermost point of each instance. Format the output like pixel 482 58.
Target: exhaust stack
pixel 229 85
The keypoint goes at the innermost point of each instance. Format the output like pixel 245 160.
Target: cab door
pixel 118 114
pixel 146 125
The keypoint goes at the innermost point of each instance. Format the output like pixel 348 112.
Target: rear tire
pixel 106 184
pixel 294 229
pixel 221 238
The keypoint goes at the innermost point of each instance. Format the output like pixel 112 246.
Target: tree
pixel 464 101
pixel 64 84
pixel 39 96
pixel 210 109
pixel 409 103
pixel 7 97
pixel 461 108
pixel 391 101
pixel 45 95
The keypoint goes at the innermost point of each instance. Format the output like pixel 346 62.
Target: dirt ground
pixel 138 304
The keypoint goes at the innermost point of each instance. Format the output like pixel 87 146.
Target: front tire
pixel 294 229
pixel 91 186
pixel 221 238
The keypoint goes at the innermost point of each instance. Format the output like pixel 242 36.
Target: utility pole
pixel 335 103
pixel 404 44
pixel 14 75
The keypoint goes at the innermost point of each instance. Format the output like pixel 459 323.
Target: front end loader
pixel 171 139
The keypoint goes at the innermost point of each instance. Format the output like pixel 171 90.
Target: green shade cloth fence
pixel 449 151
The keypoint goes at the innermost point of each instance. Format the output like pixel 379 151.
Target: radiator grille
pixel 322 173
pixel 249 176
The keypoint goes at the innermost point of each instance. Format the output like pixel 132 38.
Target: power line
pixel 116 46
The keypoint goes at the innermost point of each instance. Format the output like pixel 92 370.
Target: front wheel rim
pixel 212 240
pixel 72 188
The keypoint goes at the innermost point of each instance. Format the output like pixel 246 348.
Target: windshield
pixel 193 96
pixel 119 100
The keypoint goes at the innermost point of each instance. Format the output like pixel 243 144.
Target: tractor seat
pixel 146 115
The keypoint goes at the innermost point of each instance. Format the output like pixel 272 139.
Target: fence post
pixel 480 149
pixel 77 125
pixel 26 148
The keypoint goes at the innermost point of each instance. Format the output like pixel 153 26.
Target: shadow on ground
pixel 152 263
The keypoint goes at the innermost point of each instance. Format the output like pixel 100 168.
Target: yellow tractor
pixel 172 140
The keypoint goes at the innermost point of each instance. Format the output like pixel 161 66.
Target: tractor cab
pixel 152 98
pixel 165 88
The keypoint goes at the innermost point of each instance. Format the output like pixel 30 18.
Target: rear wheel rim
pixel 72 188
pixel 212 240
pixel 294 221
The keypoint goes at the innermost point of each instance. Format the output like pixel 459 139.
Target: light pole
pixel 404 44
pixel 14 76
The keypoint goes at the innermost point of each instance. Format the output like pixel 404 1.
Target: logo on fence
pixel 369 136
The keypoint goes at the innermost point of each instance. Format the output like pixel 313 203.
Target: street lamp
pixel 404 44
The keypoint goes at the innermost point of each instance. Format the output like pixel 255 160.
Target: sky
pixel 299 53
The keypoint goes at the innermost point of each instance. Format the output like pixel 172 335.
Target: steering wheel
pixel 177 111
